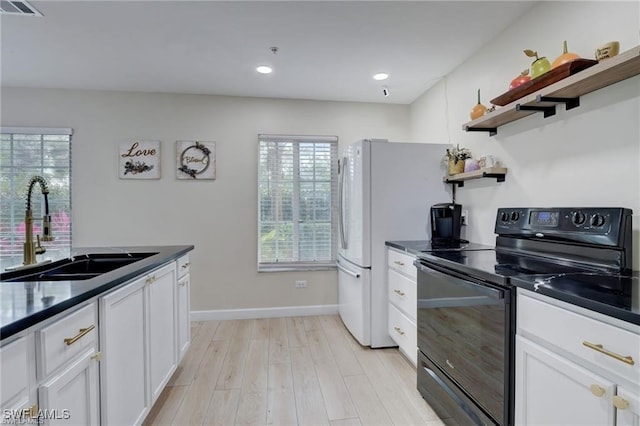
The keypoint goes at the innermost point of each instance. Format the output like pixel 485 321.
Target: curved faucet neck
pixel 43 188
pixel 32 249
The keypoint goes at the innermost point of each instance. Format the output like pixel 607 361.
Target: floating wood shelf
pixel 489 172
pixel 567 91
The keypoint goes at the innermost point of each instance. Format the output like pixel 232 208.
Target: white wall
pixel 218 217
pixel 587 156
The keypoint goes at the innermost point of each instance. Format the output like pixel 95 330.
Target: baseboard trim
pixel 285 311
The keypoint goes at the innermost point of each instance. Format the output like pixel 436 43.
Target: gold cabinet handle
pixel 597 390
pixel 620 403
pixel 398 292
pixel 151 279
pixel 82 332
pixel 97 356
pixel 397 262
pixel 33 410
pixel 399 331
pixel 597 347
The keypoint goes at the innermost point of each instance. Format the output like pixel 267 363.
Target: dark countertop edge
pixel 411 247
pixel 102 284
pixel 582 302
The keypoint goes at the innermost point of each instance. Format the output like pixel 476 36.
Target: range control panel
pixel 572 223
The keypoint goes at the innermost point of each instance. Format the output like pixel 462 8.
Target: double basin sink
pixel 82 267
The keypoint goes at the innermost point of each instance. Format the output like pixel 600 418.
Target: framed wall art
pixel 139 159
pixel 196 160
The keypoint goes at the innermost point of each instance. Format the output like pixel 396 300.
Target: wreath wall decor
pixel 139 159
pixel 195 160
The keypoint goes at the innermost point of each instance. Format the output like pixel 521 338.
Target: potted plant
pixel 455 159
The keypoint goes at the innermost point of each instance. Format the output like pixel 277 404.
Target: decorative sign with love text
pixel 139 160
pixel 196 160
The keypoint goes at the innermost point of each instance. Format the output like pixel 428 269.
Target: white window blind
pixel 297 191
pixel 25 152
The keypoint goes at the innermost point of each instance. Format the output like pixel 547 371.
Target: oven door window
pixel 462 329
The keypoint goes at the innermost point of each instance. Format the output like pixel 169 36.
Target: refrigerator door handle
pixel 346 271
pixel 340 177
pixel 341 202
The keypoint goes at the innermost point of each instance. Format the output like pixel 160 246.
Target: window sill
pixel 296 268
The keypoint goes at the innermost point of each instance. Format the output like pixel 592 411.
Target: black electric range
pixel 466 300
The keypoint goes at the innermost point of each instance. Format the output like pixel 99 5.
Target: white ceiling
pixel 328 50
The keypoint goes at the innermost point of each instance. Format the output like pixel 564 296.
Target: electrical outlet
pixel 301 284
pixel 465 217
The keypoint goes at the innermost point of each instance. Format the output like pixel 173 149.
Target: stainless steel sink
pixel 77 268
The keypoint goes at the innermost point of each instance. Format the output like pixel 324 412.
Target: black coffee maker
pixel 446 221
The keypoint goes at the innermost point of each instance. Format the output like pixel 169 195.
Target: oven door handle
pixel 462 281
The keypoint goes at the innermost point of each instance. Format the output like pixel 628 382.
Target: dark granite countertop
pixel 411 247
pixel 617 296
pixel 418 247
pixel 25 304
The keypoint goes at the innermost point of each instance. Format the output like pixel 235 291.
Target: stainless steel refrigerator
pixel 385 192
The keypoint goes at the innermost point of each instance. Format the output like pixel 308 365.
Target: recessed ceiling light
pixel 381 76
pixel 264 69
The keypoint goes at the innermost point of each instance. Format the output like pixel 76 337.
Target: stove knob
pixel 579 218
pixel 597 220
pixel 504 216
pixel 515 215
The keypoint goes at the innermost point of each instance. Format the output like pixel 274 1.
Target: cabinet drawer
pixel 65 339
pixel 402 262
pixel 402 293
pixel 183 265
pixel 573 332
pixel 403 331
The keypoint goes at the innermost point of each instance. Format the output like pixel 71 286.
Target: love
pixel 135 152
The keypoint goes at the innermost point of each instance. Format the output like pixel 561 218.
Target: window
pixel 24 153
pixel 297 187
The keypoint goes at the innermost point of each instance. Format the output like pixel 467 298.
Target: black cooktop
pixel 498 266
pixel 616 295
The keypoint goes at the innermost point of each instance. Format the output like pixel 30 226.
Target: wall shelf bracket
pixel 547 110
pixel 492 130
pixel 570 103
pixel 490 172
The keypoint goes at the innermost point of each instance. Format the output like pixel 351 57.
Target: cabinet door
pixel 551 390
pixel 71 397
pixel 18 368
pixel 184 316
pixel 628 404
pixel 161 288
pixel 122 342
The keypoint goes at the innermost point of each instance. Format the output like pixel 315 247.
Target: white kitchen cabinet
pixel 123 377
pixel 67 368
pixel 65 339
pixel 138 338
pixel 183 310
pixel 72 396
pixel 401 293
pixel 18 384
pixel 628 406
pixel 554 390
pixel 161 294
pixel 573 365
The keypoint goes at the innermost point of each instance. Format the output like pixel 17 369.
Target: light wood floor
pixel 288 371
